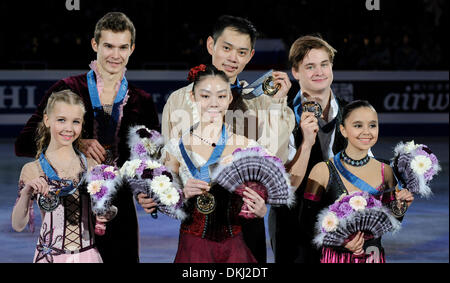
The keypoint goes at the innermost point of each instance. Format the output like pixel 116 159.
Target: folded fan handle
pixel 397 175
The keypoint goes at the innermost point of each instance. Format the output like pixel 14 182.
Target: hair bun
pixel 194 71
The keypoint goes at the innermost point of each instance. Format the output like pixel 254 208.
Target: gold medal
pixel 206 203
pixel 269 87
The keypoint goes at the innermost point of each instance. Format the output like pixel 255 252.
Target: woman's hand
pixel 255 202
pixel 404 195
pixel 195 187
pixel 37 185
pixel 356 244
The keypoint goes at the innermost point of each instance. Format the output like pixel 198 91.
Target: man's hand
pixel 93 149
pixel 309 126
pixel 282 79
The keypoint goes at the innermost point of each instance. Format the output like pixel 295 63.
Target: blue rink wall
pixel 408 102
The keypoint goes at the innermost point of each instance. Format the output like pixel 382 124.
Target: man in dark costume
pixel 313 139
pixel 112 106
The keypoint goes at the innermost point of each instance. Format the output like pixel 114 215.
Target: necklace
pixel 352 162
pixel 58 168
pixel 204 140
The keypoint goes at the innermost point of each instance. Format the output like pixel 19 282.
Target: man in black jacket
pixel 314 139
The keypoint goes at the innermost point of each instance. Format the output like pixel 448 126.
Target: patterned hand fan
pixel 357 212
pixel 254 165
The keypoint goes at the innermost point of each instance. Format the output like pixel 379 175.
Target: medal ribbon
pixel 236 85
pixel 399 180
pixel 357 182
pixel 202 173
pixel 107 131
pixel 95 97
pixel 52 176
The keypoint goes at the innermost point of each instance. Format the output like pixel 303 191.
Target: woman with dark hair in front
pixel 211 234
pixel 329 181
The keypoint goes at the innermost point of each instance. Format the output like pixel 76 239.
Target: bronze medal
pixel 398 208
pixel 312 106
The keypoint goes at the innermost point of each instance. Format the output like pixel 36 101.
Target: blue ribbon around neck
pixel 51 175
pixel 95 98
pixel 202 173
pixel 357 182
pixel 106 134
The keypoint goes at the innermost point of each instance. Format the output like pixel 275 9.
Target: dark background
pixel 402 35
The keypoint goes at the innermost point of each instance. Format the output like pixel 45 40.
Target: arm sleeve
pixel 276 120
pixel 166 126
pixel 149 114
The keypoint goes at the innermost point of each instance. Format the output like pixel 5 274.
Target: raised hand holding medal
pixel 273 83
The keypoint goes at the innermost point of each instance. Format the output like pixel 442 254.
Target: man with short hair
pixel 314 139
pixel 113 106
pixel 268 120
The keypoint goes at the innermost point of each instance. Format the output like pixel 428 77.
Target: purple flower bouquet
pixel 359 211
pixel 155 180
pixel 103 181
pixel 144 143
pixel 255 165
pixel 414 166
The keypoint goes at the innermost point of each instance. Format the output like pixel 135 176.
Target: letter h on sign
pixel 14 97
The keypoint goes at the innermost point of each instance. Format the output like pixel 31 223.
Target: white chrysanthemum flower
pixel 149 145
pixel 410 146
pixel 109 169
pixel 160 183
pixel 151 164
pixel 169 196
pixel 421 164
pixel 358 203
pixel 94 187
pixel 330 222
pixel 129 168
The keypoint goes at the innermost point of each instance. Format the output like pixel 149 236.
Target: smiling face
pixel 113 51
pixel 65 123
pixel 315 72
pixel 231 52
pixel 212 95
pixel 361 128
